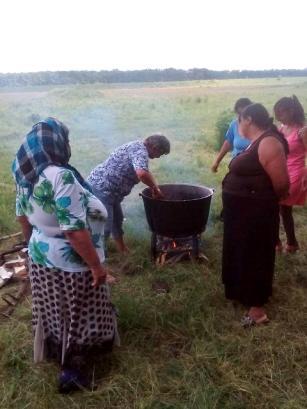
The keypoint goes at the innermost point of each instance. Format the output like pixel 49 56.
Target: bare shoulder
pixel 270 140
pixel 270 147
pixel 270 143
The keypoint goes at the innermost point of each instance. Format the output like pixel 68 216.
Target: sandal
pixel 71 380
pixel 279 248
pixel 247 321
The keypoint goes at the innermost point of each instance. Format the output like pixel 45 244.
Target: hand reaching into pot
pixel 157 193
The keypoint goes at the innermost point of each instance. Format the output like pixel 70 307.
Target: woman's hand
pixel 156 193
pixel 214 167
pixel 82 243
pixel 26 227
pixel 273 159
pixel 99 274
pixel 226 147
pixel 147 178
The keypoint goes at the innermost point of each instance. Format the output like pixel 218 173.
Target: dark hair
pixel 241 103
pixel 160 142
pixel 292 104
pixel 261 118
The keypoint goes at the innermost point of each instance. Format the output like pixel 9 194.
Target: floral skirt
pixel 69 316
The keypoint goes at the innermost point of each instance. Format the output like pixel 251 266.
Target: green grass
pixel 184 349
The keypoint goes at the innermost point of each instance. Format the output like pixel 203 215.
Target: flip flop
pixel 292 248
pixel 279 248
pixel 248 321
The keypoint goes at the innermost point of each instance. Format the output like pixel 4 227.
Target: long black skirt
pixel 250 236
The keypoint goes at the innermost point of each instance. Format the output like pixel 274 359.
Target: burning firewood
pixel 160 260
pixel 175 259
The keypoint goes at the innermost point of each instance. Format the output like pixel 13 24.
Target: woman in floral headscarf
pixel 63 223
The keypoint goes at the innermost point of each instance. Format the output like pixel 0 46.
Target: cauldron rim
pixel 211 191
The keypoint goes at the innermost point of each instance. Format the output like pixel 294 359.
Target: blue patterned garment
pixel 57 204
pixel 116 176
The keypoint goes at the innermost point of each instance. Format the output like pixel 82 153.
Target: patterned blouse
pixel 59 203
pixel 116 176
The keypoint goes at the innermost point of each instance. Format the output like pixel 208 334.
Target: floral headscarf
pixel 46 144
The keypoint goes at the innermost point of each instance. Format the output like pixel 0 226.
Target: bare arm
pixel 226 147
pixel 26 227
pixel 81 242
pixel 273 159
pixel 303 136
pixel 148 179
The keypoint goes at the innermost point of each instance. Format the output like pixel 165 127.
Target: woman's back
pixel 297 153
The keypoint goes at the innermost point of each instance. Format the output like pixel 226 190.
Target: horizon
pixel 156 69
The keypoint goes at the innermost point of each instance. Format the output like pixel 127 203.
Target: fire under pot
pixel 177 221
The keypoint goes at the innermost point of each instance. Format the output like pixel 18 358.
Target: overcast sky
pixel 40 35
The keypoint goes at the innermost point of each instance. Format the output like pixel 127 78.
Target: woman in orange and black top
pixel 256 181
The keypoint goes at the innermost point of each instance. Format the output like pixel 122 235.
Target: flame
pixel 174 245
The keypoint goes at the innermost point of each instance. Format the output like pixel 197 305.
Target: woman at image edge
pixel 290 113
pixel 256 181
pixel 63 224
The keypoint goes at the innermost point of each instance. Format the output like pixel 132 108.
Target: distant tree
pixel 146 75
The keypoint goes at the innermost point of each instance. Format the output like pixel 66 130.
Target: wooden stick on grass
pixel 9 236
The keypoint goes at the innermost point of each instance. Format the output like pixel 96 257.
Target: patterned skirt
pixel 69 316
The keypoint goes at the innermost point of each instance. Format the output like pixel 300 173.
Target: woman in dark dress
pixel 256 181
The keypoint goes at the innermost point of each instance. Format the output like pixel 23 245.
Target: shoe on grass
pixel 71 380
pixel 292 248
pixel 247 321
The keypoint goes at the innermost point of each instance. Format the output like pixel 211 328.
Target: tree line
pixel 146 75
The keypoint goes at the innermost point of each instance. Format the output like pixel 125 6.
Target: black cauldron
pixel 183 212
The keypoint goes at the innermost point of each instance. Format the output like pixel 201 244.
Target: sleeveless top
pixel 296 157
pixel 296 169
pixel 246 176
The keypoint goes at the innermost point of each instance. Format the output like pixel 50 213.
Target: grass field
pixel 184 349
